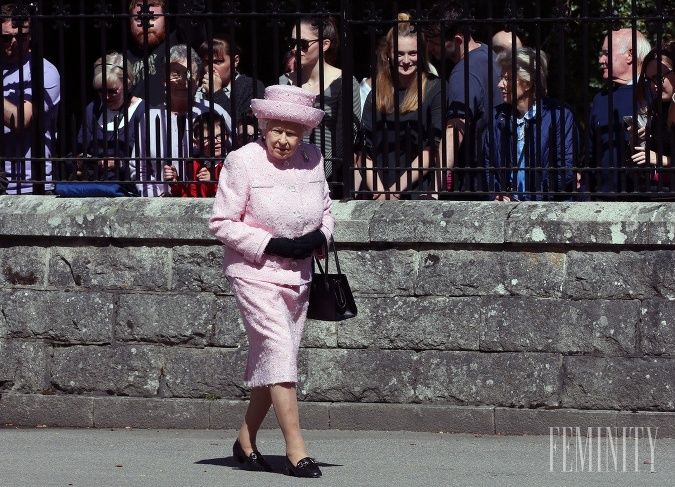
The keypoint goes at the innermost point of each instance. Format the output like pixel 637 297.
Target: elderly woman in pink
pixel 272 211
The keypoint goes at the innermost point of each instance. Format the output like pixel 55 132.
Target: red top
pixel 197 190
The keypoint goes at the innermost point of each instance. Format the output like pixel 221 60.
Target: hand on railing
pixel 642 157
pixel 204 174
pixel 170 173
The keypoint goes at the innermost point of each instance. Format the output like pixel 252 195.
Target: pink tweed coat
pixel 259 198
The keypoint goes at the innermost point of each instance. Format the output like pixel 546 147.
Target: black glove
pixel 282 247
pixel 296 248
pixel 312 240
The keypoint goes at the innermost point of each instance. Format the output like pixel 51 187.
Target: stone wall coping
pixel 358 222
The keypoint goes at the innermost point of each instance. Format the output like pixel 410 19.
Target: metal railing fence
pixel 73 34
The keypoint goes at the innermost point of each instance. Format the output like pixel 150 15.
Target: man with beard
pixel 147 55
pixel 469 105
pixel 19 91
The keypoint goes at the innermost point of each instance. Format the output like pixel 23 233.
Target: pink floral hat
pixel 288 103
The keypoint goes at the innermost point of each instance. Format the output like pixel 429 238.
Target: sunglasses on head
pixel 303 43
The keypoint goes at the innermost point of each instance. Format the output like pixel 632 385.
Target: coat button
pixel 294 264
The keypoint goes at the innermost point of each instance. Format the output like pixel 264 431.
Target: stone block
pixel 490 273
pixel 166 318
pixel 73 317
pixel 411 417
pixel 356 375
pixel 352 220
pixel 320 334
pixel 575 223
pixel 229 330
pixel 199 268
pixel 52 411
pixel 413 324
pixel 621 275
pixel 518 421
pixel 22 265
pixel 38 216
pixel 23 366
pixel 315 415
pixel 133 412
pixel 623 383
pixel 131 370
pixel 554 325
pixel 662 225
pixel 665 422
pixel 4 330
pixel 439 222
pixel 657 335
pixel 109 267
pixel 187 219
pixel 387 271
pixel 204 372
pixel 500 379
pixel 228 414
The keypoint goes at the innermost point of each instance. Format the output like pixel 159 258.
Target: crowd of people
pixel 442 115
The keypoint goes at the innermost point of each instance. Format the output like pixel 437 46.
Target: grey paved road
pixel 195 458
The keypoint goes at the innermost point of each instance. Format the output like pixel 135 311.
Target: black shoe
pixel 305 468
pixel 255 461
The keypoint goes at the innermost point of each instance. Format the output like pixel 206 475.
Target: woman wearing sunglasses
pixel 315 45
pixel 111 118
pixel 656 91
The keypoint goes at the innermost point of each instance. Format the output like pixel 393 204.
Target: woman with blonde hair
pixel 111 118
pixel 402 117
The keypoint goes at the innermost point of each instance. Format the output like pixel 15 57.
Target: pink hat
pixel 289 103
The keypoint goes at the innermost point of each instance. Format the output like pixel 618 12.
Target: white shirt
pixel 149 162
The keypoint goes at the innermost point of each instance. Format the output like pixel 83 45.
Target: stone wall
pixel 480 317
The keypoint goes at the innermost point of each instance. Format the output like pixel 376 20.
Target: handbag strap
pixel 327 247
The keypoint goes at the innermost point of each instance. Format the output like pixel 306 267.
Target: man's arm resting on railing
pixel 454 128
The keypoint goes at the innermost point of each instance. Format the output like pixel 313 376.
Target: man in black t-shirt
pixel 472 94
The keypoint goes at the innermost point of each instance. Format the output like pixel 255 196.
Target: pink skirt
pixel 274 317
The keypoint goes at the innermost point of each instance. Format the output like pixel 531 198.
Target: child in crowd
pixel 209 135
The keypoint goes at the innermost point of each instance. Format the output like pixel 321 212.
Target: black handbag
pixel 330 297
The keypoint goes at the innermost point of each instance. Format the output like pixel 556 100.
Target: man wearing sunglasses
pixel 20 127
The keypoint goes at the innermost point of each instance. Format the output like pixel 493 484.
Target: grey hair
pixel 529 66
pixel 622 40
pixel 179 53
pixel 114 71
